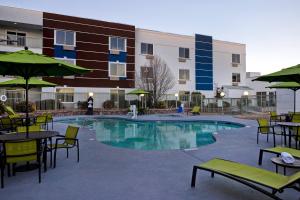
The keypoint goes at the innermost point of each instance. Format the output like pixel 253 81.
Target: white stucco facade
pixel 166 46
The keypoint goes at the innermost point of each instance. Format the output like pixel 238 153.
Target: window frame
pixel 125 43
pixel 183 79
pixel 141 73
pixel 74 39
pixel 185 48
pixel 119 63
pixel 238 77
pixel 239 56
pixel 16 34
pixel 147 48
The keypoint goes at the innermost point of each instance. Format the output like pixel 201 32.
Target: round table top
pixel 32 135
pixel 279 161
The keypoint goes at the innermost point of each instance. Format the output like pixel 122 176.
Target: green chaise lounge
pixel 196 110
pixel 250 176
pixel 278 151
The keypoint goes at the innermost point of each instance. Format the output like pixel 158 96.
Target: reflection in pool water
pixel 153 135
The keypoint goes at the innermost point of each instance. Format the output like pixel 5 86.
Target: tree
pixel 156 78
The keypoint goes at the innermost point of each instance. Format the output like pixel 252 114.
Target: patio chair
pixel 41 120
pixel 49 119
pixel 196 110
pixel 32 128
pixel 6 124
pixel 10 112
pixel 265 128
pixel 20 151
pixel 296 130
pixel 253 177
pixel 278 151
pixel 274 117
pixel 67 141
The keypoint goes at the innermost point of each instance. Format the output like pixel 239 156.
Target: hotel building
pixel 119 53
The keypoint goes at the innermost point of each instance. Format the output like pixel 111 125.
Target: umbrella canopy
pixel 284 75
pixel 138 92
pixel 32 83
pixel 27 64
pixel 288 85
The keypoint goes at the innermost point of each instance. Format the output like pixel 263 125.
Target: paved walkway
pixel 106 172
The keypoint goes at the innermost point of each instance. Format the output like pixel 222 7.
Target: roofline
pixel 69 15
pixel 186 36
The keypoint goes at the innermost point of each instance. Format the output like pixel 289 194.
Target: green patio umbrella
pixel 284 75
pixel 138 92
pixel 288 85
pixel 27 64
pixel 32 83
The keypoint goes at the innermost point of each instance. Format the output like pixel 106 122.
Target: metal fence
pixel 73 101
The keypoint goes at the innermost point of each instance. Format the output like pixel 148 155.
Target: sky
pixel 269 28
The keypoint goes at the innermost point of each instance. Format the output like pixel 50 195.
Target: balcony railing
pixel 20 41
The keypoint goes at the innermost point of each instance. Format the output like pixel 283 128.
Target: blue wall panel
pixel 204 62
pixel 118 57
pixel 59 52
pixel 204 73
pixel 204 52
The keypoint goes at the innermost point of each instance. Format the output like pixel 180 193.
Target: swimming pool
pixel 152 135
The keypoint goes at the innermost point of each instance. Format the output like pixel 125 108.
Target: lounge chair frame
pixel 246 182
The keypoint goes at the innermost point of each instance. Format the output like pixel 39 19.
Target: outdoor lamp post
pixel 176 98
pixel 246 93
pixel 222 94
pixel 142 95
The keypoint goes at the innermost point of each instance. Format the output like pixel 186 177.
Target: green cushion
pixel 33 128
pixel 253 174
pixel 9 110
pixel 19 149
pixel 196 109
pixel 293 152
pixel 263 123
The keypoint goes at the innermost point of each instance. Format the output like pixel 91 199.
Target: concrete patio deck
pixel 106 172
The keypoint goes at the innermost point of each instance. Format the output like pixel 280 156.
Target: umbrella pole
pixel 26 99
pixel 294 101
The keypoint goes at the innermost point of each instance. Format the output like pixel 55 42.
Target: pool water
pixel 153 135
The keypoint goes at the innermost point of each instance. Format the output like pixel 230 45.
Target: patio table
pixel 38 135
pixel 289 125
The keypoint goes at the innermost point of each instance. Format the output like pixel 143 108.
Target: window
pixel 63 37
pixel 146 48
pixel 236 77
pixel 184 52
pixel 184 74
pixel 117 43
pixel 236 58
pixel 117 69
pixel 146 72
pixel 65 94
pixel 15 38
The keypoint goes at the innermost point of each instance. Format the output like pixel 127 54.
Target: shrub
pixel 47 104
pixel 21 107
pixel 108 104
pixel 82 104
pixel 172 103
pixel 160 104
